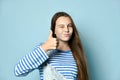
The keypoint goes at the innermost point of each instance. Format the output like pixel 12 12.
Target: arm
pixel 30 61
pixel 34 59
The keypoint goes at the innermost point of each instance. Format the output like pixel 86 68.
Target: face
pixel 63 28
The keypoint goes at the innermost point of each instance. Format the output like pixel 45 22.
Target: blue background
pixel 26 23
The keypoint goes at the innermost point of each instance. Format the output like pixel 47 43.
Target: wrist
pixel 44 47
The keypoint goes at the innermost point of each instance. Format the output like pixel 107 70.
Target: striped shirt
pixel 62 61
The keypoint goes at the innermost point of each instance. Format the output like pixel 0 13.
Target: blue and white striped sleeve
pixel 30 62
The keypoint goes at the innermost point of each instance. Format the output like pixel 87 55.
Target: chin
pixel 65 40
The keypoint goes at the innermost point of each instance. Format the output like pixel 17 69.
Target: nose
pixel 66 29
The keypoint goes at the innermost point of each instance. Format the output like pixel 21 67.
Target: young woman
pixel 66 53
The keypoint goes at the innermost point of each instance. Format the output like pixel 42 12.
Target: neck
pixel 63 46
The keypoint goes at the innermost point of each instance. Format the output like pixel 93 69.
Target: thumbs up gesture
pixel 51 43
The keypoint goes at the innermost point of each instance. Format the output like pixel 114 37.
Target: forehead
pixel 63 20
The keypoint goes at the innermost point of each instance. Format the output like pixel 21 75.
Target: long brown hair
pixel 75 45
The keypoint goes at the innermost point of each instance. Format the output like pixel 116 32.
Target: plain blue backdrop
pixel 26 23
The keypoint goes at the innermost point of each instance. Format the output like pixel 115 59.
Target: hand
pixel 51 43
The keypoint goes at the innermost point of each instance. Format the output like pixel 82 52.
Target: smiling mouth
pixel 67 35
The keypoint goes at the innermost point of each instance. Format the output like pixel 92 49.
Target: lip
pixel 67 35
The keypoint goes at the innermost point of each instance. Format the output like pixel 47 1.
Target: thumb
pixel 50 35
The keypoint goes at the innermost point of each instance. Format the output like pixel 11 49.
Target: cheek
pixel 58 35
pixel 58 32
pixel 71 31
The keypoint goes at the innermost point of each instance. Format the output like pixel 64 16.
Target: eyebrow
pixel 63 24
pixel 60 25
